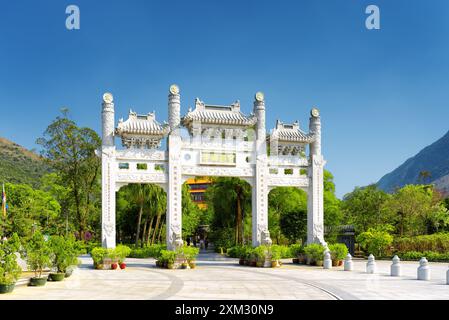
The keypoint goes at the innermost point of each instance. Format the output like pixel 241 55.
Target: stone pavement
pixel 217 277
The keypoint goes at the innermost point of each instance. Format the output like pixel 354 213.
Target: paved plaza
pixel 217 277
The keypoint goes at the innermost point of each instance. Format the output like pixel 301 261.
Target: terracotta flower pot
pixel 122 265
pixel 114 266
pixel 340 263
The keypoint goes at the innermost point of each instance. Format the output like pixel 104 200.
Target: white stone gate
pixel 211 140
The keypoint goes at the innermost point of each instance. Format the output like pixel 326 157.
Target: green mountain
pixel 430 165
pixel 19 165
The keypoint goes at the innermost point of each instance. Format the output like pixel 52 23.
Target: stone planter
pixel 7 288
pixel 38 282
pixel 68 272
pixel 259 264
pixel 57 276
pixel 319 263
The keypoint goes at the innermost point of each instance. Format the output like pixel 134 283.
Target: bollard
pixel 327 264
pixel 423 270
pixel 447 276
pixel 348 263
pixel 371 264
pixel 395 269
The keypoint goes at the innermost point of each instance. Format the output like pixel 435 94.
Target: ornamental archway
pixel 211 140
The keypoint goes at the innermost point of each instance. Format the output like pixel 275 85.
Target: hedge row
pixel 430 256
pixel 437 243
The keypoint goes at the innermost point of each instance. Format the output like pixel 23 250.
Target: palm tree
pixel 236 191
pixel 139 193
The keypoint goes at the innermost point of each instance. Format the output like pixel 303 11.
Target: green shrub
pixel 296 250
pixel 9 268
pixel 338 251
pixel 430 255
pixel 375 241
pixel 315 251
pixel 167 256
pixel 64 252
pixel 152 251
pixel 283 252
pixel 121 252
pixel 438 242
pixel 240 252
pixel 276 252
pixel 38 254
pixel 189 253
pixel 260 253
pixel 98 254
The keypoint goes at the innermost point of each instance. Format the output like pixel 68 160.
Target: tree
pixel 364 208
pixel 140 194
pixel 30 209
pixel 70 150
pixel 333 215
pixel 417 210
pixel 190 213
pixel 294 225
pixel 230 199
pixel 287 212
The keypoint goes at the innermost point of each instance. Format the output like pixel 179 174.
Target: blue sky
pixel 383 94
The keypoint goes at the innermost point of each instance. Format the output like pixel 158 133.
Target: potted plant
pixel 295 252
pixel 64 255
pixel 9 268
pixel 190 254
pixel 276 255
pixel 98 255
pixel 260 254
pixel 122 252
pixel 338 251
pixel 315 253
pixel 38 255
pixel 168 258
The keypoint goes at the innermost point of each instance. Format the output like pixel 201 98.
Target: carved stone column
pixel 108 174
pixel 315 209
pixel 260 233
pixel 174 210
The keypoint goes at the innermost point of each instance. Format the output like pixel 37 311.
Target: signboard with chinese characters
pixel 218 158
